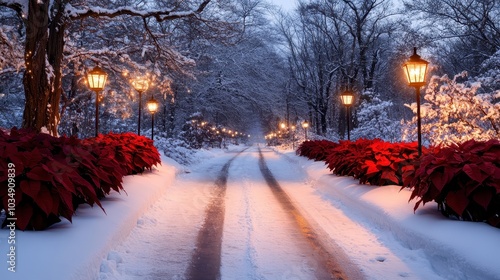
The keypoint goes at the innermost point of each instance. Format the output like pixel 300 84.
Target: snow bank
pixel 454 249
pixel 75 251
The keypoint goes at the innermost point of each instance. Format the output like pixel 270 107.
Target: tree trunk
pixel 43 57
pixel 35 80
pixel 55 49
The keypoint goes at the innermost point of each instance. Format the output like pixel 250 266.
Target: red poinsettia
pixel 135 153
pixel 463 179
pixel 315 149
pixel 55 174
pixel 47 178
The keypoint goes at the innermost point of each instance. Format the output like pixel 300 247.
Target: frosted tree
pixel 45 25
pixel 241 83
pixel 374 121
pixel 455 111
pixel 334 45
pixel 465 33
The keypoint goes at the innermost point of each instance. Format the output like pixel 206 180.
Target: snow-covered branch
pixel 159 14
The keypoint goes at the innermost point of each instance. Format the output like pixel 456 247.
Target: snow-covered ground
pixel 151 232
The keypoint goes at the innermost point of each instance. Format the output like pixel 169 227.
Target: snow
pixel 150 232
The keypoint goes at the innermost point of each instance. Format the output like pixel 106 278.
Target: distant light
pixel 140 84
pixel 152 105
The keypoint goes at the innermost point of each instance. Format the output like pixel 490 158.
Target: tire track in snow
pixel 206 259
pixel 327 265
pixel 238 252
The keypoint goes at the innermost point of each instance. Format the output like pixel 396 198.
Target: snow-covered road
pixel 283 217
pixel 183 236
pixel 272 227
pixel 257 213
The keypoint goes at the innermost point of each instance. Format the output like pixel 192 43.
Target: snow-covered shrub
pixel 455 112
pixel 464 179
pixel 198 133
pixel 177 149
pixel 374 121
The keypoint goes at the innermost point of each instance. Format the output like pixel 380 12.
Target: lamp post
pixel 140 84
pixel 415 69
pixel 96 79
pixel 153 108
pixel 305 125
pixel 347 98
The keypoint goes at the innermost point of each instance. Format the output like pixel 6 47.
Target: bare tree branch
pixel 159 15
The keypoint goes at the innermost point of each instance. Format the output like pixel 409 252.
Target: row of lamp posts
pixel 97 80
pixel 415 71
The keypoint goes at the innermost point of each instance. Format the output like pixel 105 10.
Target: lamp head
pixel 415 69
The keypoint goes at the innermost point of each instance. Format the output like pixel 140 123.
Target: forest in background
pixel 245 64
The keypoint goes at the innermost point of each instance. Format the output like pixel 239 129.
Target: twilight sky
pixel 287 5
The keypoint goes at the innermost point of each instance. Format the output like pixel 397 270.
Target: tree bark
pixel 35 80
pixel 55 48
pixel 43 56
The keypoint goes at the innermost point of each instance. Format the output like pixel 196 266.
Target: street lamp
pixel 415 69
pixel 153 108
pixel 140 84
pixel 96 79
pixel 305 125
pixel 347 98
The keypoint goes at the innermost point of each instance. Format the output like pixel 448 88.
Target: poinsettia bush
pixel 98 166
pixel 135 153
pixel 371 161
pixel 315 149
pixel 385 163
pixel 346 158
pixel 463 179
pixel 53 175
pixel 48 177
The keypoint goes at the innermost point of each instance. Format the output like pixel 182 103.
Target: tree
pixel 45 25
pixel 337 45
pixel 238 82
pixel 374 121
pixel 455 112
pixel 466 32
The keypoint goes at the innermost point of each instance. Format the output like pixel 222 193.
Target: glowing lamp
pixel 152 105
pixel 415 70
pixel 347 98
pixel 96 79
